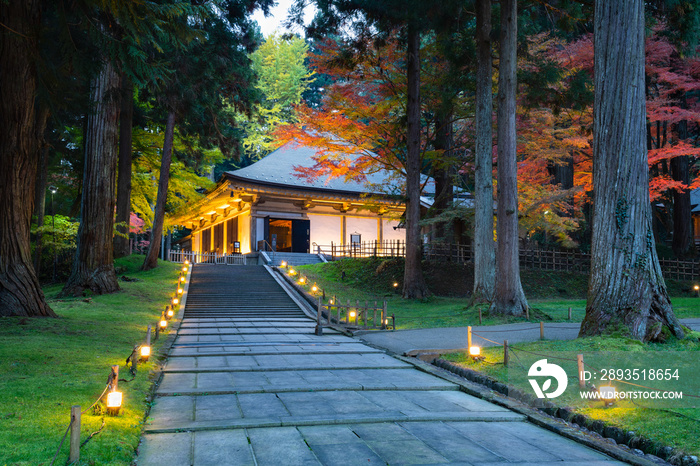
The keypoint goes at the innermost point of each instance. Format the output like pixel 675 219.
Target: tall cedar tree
pixel 20 294
pixel 381 18
pixel 484 246
pixel 212 76
pixel 509 297
pixel 626 288
pixel 121 241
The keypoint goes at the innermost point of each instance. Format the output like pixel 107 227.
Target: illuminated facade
pixel 265 205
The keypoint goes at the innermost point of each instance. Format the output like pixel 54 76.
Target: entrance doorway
pixel 289 235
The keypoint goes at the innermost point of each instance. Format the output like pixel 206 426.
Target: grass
pixel 48 365
pixel 674 423
pixel 550 294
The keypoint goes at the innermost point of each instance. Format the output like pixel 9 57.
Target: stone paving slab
pixel 277 362
pixel 467 443
pixel 256 338
pixel 271 349
pixel 187 410
pixel 316 380
pixel 253 331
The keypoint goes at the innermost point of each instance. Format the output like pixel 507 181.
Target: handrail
pixel 270 261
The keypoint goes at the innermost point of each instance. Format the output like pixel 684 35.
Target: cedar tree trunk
pixel 626 289
pixel 121 243
pixel 40 201
pixel 484 246
pixel 151 260
pixel 509 297
pixel 413 283
pixel 20 293
pixel 442 174
pixel 93 266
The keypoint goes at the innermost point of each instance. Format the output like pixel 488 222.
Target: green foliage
pixel 59 233
pixel 282 78
pixel 48 365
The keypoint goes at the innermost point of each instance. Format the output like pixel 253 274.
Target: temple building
pixel 266 206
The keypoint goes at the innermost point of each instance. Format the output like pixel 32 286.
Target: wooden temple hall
pixel 266 207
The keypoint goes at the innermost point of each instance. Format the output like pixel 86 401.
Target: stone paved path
pixel 248 383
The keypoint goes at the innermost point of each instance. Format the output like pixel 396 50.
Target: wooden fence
pixel 207 257
pixel 388 248
pixel 352 316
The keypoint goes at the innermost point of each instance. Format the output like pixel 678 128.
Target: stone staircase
pixel 294 258
pixel 237 292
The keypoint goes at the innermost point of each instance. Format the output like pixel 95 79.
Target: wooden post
pixel 393 322
pixel 74 454
pixel 155 338
pixel 469 338
pixel 384 316
pixel 527 312
pixel 148 336
pixel 366 313
pixel 115 380
pixel 569 312
pixel 581 382
pixel 374 320
pixel 357 311
pixel 505 353
pixel 319 325
pixel 541 330
pixel 479 316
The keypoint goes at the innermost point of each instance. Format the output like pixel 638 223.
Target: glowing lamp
pixel 187 262
pixel 180 291
pixel 607 394
pixel 175 301
pixel 283 264
pixel 302 280
pixel 314 288
pixel 184 269
pixel 182 279
pixel 353 314
pixel 474 351
pixel 145 351
pixel 696 287
pixel 331 301
pixel 163 323
pixel 396 284
pixel 114 402
pixel 292 271
pixel 170 313
pixel 386 321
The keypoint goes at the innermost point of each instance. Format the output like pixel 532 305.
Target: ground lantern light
pixel 697 291
pixel 145 352
pixel 184 269
pixel 163 321
pixel 283 264
pixel 302 280
pixel 180 290
pixel 169 313
pixel 474 351
pixel 175 300
pixel 182 279
pixel 314 288
pixel 607 394
pixel 114 402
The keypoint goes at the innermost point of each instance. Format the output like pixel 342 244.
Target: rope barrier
pixel 484 338
pixel 70 424
pixel 94 433
pixel 510 330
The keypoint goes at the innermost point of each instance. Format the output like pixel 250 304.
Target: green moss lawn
pixel 47 365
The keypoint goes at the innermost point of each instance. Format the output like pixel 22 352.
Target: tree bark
pixel 151 260
pixel 626 290
pixel 121 243
pixel 484 245
pixel 442 174
pixel 20 293
pixel 414 286
pixel 40 197
pixel 682 243
pixel 509 297
pixel 93 266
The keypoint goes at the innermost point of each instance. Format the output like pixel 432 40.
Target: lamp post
pixel 53 190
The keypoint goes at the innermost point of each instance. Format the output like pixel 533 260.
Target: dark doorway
pixel 280 234
pixel 301 235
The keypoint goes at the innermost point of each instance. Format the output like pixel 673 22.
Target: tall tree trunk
pixel 93 266
pixel 121 243
pixel 151 260
pixel 20 293
pixel 442 174
pixel 509 297
pixel 484 246
pixel 40 202
pixel 625 288
pixel 682 228
pixel 414 286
